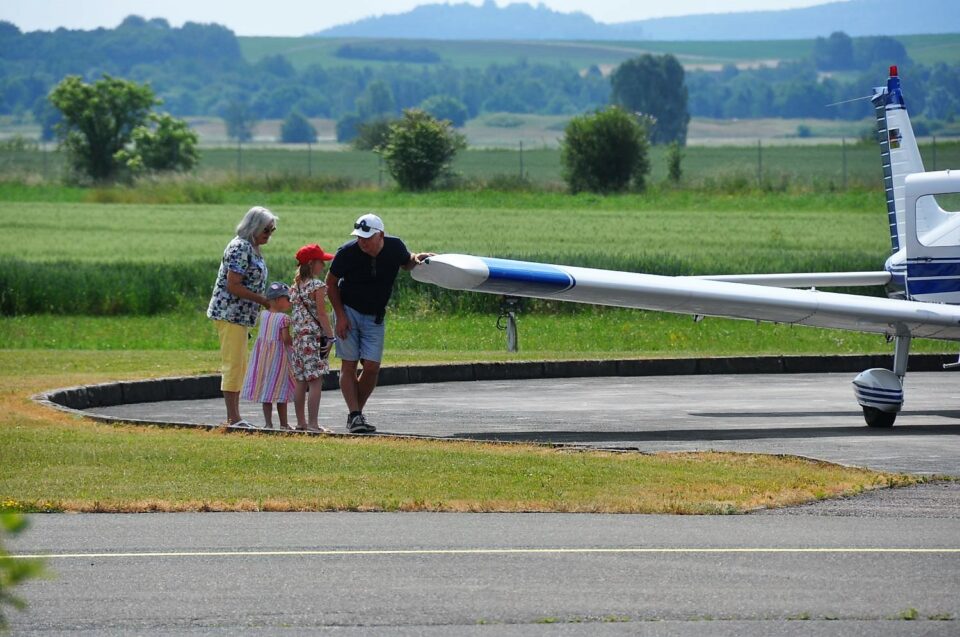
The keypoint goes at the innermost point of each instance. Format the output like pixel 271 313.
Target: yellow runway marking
pixel 519 551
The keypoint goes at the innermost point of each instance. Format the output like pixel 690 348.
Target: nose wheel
pixel 880 393
pixel 877 418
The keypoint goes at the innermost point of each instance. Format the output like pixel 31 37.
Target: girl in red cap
pixel 312 334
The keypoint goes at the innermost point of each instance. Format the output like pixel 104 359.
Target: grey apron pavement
pixel 452 574
pixel 812 415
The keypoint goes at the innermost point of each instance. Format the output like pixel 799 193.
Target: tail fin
pixel 901 157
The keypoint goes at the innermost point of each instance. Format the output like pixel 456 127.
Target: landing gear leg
pixel 901 352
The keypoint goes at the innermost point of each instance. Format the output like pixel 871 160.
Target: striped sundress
pixel 269 376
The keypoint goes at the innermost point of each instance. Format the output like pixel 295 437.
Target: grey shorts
pixel 365 338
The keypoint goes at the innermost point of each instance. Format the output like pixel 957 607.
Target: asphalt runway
pixel 812 415
pixel 883 563
pixel 888 565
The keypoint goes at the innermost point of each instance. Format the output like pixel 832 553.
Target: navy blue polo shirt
pixel 366 282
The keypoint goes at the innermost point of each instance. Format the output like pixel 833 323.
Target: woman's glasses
pixel 270 230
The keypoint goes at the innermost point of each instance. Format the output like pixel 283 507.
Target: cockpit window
pixel 938 221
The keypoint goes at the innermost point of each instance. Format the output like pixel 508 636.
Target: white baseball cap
pixel 367 225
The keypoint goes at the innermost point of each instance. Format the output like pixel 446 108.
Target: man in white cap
pixel 359 284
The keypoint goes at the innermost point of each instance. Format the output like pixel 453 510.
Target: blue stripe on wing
pixel 523 278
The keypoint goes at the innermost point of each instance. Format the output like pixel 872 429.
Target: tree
pixel 376 101
pixel 446 107
pixel 297 130
pixel 373 134
pixel 239 120
pixel 278 66
pixel 940 104
pixel 13 572
pixel 99 120
pixel 654 86
pixel 881 49
pixel 419 149
pixel 833 53
pixel 605 151
pixel 348 127
pixel 674 160
pixel 167 145
pixel 47 116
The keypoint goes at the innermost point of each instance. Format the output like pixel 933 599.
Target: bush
pixel 297 130
pixel 13 572
pixel 373 134
pixel 674 159
pixel 348 127
pixel 605 152
pixel 419 149
pixel 446 107
pixel 101 289
pixel 169 146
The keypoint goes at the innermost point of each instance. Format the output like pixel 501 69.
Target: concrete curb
pixel 77 399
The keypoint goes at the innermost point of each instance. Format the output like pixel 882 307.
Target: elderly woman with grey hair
pixel 237 296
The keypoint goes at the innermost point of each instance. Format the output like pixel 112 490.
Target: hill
pixel 303 52
pixel 855 18
pixel 205 70
pixel 521 21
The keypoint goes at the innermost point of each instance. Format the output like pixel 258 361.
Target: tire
pixel 877 418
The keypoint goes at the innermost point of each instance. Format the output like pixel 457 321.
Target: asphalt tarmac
pixel 884 563
pixel 812 415
pixel 888 565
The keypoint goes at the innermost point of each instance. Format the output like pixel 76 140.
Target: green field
pixel 930 49
pixel 110 291
pixel 509 130
pixel 138 276
pixel 784 232
pixel 305 51
pixel 827 167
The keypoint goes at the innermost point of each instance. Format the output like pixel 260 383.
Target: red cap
pixel 312 252
pixel 893 71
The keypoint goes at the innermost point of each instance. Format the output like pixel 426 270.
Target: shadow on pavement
pixel 955 414
pixel 687 435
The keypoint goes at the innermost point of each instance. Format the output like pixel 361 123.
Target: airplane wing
pixel 804 279
pixel 692 295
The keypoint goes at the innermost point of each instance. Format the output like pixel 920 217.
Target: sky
pixel 300 17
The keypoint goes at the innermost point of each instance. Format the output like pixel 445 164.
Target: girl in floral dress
pixel 269 378
pixel 312 335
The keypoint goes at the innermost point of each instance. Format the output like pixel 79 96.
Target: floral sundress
pixel 308 364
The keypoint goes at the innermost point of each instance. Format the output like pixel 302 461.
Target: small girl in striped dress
pixel 269 376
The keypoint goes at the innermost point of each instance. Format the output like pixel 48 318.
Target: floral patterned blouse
pixel 240 257
pixel 305 307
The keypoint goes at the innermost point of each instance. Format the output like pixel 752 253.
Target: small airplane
pixel 922 275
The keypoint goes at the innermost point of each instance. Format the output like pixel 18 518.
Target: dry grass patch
pixel 91 467
pixel 62 462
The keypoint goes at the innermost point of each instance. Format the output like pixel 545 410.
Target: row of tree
pixel 840 52
pixel 110 133
pixel 798 89
pixel 199 70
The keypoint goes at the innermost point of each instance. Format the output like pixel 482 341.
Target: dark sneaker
pixel 359 425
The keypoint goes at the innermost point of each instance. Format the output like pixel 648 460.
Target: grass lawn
pixel 65 463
